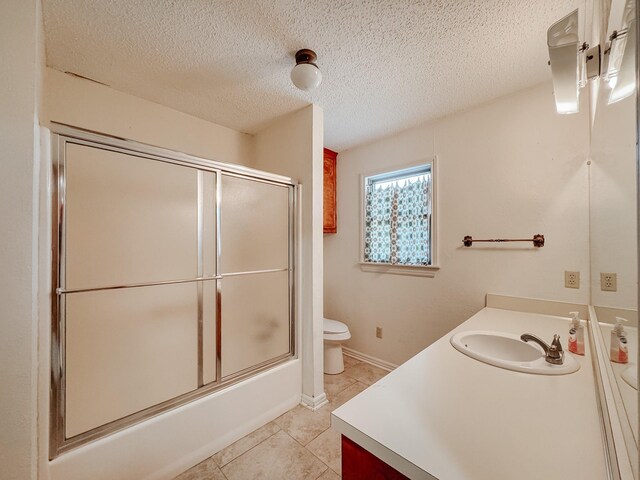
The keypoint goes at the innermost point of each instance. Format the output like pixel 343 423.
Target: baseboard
pixel 314 403
pixel 363 357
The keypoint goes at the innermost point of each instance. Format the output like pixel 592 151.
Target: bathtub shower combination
pixel 172 276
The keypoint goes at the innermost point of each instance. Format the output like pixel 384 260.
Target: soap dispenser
pixel 619 352
pixel 576 335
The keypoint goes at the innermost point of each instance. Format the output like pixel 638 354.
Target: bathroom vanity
pixel 444 415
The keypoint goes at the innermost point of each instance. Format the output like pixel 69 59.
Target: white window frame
pixel 415 270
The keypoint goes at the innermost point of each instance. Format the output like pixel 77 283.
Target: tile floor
pixel 299 445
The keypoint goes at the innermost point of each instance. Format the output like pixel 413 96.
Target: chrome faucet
pixel 552 353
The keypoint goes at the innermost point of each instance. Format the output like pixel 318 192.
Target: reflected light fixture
pixel 621 70
pixel 306 75
pixel 563 44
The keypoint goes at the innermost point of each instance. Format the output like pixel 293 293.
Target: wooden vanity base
pixel 359 464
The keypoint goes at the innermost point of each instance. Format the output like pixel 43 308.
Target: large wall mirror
pixel 613 216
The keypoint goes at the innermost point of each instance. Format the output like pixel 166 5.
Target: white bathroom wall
pixel 508 169
pixel 292 146
pixel 21 57
pixel 169 443
pixel 82 103
pixel 613 201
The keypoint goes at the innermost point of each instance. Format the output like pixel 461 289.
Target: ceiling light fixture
pixel 563 43
pixel 572 63
pixel 306 75
pixel 621 69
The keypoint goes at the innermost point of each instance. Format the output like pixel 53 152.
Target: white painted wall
pixel 82 103
pixel 21 48
pixel 292 146
pixel 613 201
pixel 510 168
pixel 171 442
pixel 613 211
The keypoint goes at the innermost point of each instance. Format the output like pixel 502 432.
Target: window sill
pixel 414 270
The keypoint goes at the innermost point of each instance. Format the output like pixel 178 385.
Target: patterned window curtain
pixel 398 221
pixel 378 224
pixel 414 222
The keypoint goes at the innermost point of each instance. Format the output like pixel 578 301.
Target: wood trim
pixel 329 193
pixel 358 463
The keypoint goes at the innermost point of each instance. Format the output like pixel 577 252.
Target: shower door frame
pixel 61 135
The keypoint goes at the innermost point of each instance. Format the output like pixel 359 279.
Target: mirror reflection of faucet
pixel 552 353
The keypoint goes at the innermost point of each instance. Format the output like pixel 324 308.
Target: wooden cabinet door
pixel 330 214
pixel 358 464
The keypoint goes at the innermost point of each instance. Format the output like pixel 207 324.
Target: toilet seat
pixel 335 330
pixel 334 326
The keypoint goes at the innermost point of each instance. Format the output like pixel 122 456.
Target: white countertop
pixel 627 392
pixel 447 416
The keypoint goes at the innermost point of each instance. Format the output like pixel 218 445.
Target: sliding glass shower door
pixel 255 273
pixel 173 278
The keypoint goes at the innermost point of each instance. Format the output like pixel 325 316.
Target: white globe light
pixel 306 76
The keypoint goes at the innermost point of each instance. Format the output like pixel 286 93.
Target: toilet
pixel 334 334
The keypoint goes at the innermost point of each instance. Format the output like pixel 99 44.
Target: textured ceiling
pixel 387 65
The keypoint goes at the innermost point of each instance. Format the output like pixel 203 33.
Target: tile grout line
pixel 256 445
pixel 222 473
pixel 324 471
pixel 314 455
pixel 306 446
pixel 352 377
pixel 340 391
pixel 280 429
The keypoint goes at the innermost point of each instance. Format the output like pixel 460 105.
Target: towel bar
pixel 538 240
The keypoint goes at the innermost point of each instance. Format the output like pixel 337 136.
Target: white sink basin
pixel 506 350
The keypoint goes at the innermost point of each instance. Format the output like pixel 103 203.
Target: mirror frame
pixel 620 457
pixel 620 447
pixel 637 16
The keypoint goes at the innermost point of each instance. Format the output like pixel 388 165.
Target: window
pixel 398 217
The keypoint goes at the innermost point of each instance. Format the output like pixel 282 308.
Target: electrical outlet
pixel 571 279
pixel 379 332
pixel 609 282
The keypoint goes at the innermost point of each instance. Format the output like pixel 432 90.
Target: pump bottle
pixel 619 352
pixel 576 335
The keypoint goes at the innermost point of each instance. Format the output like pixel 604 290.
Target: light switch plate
pixel 608 282
pixel 571 279
pixel 379 332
